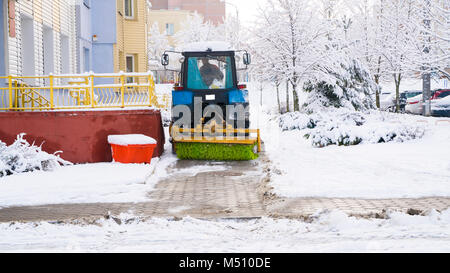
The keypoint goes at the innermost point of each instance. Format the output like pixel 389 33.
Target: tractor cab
pixel 209 106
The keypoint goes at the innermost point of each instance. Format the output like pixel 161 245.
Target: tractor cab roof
pixel 210 46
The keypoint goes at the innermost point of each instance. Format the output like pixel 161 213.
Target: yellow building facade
pixel 169 22
pixel 130 50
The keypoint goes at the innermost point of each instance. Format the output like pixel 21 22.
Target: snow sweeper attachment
pixel 210 109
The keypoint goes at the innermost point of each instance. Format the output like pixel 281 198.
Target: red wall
pixel 81 135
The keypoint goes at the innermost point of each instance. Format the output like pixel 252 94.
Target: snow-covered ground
pixel 415 168
pixel 328 232
pixel 87 183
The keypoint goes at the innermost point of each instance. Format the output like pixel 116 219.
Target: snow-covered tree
pixel 157 44
pixel 195 29
pixel 430 36
pixel 367 35
pixel 397 35
pixel 346 84
pixel 288 31
pixel 340 79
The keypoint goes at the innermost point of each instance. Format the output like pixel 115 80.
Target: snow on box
pixel 204 46
pixel 133 139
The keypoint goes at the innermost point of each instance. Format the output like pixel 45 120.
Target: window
pixel 169 29
pixel 214 72
pixel 130 67
pixel 129 9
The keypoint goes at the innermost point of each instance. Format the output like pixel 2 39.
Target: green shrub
pixel 215 151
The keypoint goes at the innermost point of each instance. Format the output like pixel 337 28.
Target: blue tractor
pixel 210 109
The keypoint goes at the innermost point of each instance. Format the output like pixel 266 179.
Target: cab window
pixel 212 72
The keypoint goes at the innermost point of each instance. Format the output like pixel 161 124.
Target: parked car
pixel 387 101
pixel 440 107
pixel 414 105
pixel 405 95
pixel 440 94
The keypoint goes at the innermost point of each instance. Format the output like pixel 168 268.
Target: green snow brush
pixel 215 151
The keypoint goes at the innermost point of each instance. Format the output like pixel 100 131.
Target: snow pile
pixel 331 231
pixel 84 183
pixel 345 127
pixel 166 117
pixel 132 139
pixel 22 157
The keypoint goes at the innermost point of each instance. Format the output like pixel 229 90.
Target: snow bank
pixel 132 139
pixel 161 90
pixel 411 169
pixel 330 231
pixel 22 157
pixel 345 127
pixel 205 46
pixel 86 183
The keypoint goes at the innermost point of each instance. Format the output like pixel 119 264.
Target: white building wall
pixel 73 38
pixel 38 51
pixel 61 19
pixel 14 46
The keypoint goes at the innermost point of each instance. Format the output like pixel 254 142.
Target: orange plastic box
pixel 132 153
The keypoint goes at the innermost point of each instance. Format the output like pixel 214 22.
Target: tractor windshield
pixel 210 72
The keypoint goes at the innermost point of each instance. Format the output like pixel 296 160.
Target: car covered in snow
pixel 441 107
pixel 440 94
pixel 405 95
pixel 414 105
pixel 387 101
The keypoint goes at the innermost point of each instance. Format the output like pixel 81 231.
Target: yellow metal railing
pixel 83 91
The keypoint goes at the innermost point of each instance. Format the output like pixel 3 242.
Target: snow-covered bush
pixel 344 84
pixel 345 127
pixel 22 157
pixel 296 120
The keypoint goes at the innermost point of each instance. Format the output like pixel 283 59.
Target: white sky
pixel 247 8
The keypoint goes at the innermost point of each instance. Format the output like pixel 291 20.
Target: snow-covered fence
pixel 80 91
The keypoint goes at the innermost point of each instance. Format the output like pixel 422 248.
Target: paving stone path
pixel 236 191
pixel 229 193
